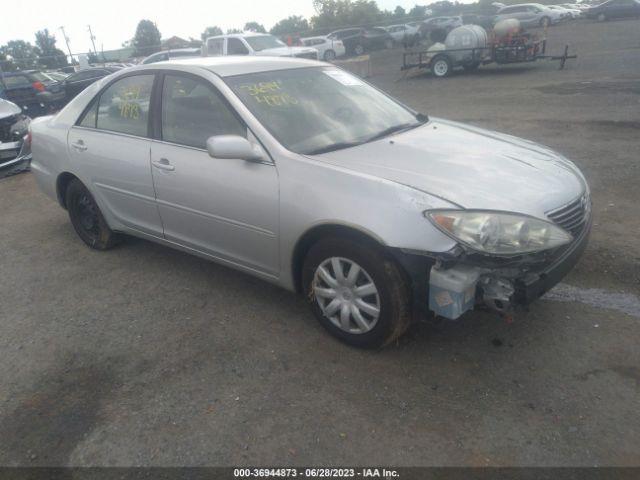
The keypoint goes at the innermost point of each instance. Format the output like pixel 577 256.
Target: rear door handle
pixel 163 164
pixel 79 145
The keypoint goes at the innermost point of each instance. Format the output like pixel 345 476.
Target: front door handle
pixel 79 145
pixel 163 164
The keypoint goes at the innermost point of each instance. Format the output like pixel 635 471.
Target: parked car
pixel 77 82
pixel 328 49
pixel 169 54
pixel 15 151
pixel 357 41
pixel 614 9
pixel 565 14
pixel 304 175
pixel 405 34
pixel 574 12
pixel 529 14
pixel 260 44
pixel 439 23
pixel 485 21
pixel 32 91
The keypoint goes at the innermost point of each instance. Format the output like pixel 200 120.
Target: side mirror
pixel 235 147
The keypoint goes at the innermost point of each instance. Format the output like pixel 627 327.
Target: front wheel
pixel 441 66
pixel 87 219
pixel 356 292
pixel 388 43
pixel 602 17
pixel 545 21
pixel 359 49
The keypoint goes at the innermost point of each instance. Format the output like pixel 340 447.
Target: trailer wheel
pixel 441 66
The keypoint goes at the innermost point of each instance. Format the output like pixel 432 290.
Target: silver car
pixel 304 175
pixel 529 14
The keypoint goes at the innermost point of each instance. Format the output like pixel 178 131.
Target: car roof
pixel 229 65
pixel 241 35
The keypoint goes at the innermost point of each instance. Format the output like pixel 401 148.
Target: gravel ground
pixel 147 356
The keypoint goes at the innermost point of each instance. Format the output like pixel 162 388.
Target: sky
pixel 115 21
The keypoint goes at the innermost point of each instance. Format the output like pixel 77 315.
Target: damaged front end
pixel 465 278
pixel 15 147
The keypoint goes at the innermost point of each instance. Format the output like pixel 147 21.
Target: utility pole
pixel 92 41
pixel 66 40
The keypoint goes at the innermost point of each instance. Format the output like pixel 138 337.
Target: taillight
pixel 39 86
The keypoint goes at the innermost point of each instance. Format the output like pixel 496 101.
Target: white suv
pixel 249 43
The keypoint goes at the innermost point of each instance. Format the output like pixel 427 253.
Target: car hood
pixel 286 51
pixel 7 109
pixel 469 167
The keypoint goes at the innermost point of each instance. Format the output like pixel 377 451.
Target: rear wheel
pixel 356 292
pixel 358 49
pixel 388 43
pixel 329 56
pixel 87 219
pixel 441 66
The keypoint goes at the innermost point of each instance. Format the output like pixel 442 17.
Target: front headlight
pixel 498 233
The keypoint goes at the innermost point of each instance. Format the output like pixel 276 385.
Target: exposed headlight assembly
pixel 498 233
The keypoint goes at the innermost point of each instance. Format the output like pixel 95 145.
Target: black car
pixel 77 82
pixel 15 151
pixel 359 40
pixel 32 91
pixel 614 9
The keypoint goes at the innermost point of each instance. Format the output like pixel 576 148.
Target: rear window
pixel 17 81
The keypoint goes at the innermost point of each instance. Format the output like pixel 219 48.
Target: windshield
pixel 263 42
pixel 316 110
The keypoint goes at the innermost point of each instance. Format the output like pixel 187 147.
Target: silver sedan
pixel 306 176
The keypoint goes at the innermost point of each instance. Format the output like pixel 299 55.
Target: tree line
pixel 329 15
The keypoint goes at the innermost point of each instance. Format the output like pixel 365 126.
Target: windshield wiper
pixel 333 147
pixel 384 133
pixel 395 129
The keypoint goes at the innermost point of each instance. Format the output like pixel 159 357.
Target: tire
pixel 388 44
pixel 87 219
pixel 329 56
pixel 358 49
pixel 441 66
pixel 601 17
pixel 368 320
pixel 545 21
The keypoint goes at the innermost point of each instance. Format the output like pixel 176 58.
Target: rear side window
pixel 89 119
pixel 192 111
pixel 124 106
pixel 214 46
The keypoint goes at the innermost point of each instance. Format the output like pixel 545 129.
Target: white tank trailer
pixel 465 39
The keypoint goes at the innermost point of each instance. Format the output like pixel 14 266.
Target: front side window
pixel 236 47
pixel 214 46
pixel 192 111
pixel 315 110
pixel 124 106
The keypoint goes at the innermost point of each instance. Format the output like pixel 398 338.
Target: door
pixel 227 208
pixel 111 147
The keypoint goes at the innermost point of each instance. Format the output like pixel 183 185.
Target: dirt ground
pixel 147 356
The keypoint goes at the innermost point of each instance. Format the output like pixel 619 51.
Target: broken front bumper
pixel 451 283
